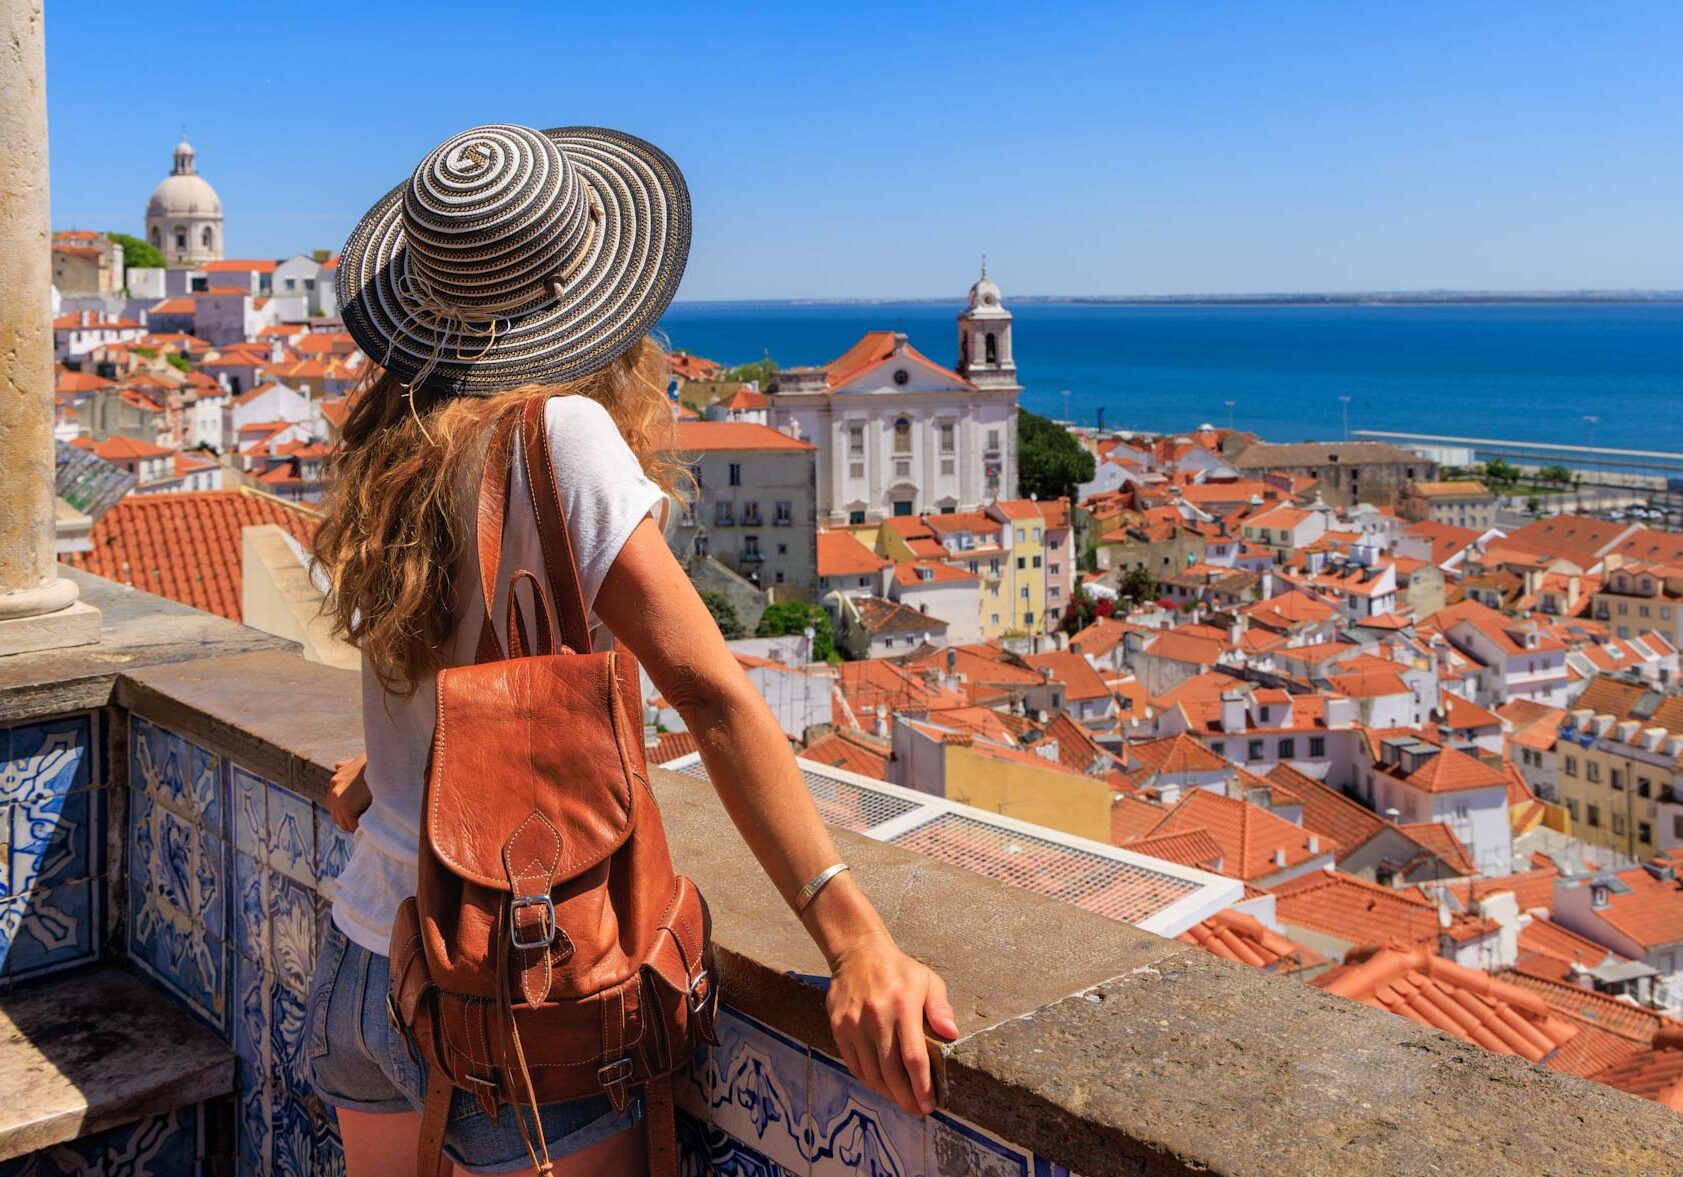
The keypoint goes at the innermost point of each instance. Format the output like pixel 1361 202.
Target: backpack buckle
pixel 549 928
pixel 698 991
pixel 615 1073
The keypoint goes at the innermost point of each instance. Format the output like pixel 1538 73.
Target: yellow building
pixel 1620 767
pixel 1025 582
pixel 1024 786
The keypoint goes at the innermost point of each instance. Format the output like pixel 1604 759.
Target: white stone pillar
pixel 38 608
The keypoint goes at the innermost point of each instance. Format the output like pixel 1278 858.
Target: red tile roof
pixel 1453 771
pixel 877 347
pixel 1080 680
pixel 841 554
pixel 717 436
pixel 1236 936
pixel 1441 841
pixel 853 751
pixel 1655 1074
pixel 240 266
pixel 1254 842
pixel 1179 753
pixel 1359 912
pixel 1464 1002
pixel 672 745
pixel 186 547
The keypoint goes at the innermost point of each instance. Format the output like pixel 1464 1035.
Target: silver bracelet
pixel 819 881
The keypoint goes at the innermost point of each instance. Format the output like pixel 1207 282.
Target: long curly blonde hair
pixel 392 529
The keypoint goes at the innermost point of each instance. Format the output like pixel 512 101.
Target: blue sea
pixel 1526 372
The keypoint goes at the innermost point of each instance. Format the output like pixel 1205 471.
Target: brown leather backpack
pixel 549 953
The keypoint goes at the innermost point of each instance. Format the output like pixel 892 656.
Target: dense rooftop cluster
pixel 1440 763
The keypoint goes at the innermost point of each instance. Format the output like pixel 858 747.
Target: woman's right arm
pixel 879 997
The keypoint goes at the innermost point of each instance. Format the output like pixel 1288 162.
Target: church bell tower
pixel 984 338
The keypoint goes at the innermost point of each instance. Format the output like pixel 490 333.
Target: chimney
pixel 1280 857
pixel 1233 711
pixel 87 317
pixel 881 725
pixel 899 343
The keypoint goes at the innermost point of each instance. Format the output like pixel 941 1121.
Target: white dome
pixel 984 293
pixel 184 195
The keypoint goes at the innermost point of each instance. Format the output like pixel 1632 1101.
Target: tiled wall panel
pixel 52 852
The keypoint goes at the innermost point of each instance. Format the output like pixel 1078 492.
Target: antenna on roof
pixel 984 265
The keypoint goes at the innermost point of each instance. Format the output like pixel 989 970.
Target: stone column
pixel 38 608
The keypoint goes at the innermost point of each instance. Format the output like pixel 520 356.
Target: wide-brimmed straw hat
pixel 512 256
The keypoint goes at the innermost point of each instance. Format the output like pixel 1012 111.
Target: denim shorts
pixel 359 1063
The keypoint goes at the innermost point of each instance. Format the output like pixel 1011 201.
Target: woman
pixel 515 263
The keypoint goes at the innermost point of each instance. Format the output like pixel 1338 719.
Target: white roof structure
pixel 1150 893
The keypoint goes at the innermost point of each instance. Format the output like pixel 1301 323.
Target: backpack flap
pixel 542 790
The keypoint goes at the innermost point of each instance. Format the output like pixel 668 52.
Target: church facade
pixel 184 215
pixel 897 433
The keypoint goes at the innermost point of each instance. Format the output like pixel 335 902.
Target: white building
pixel 897 434
pixel 184 215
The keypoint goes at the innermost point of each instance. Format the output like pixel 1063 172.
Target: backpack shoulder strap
pixel 559 564
pixel 489 518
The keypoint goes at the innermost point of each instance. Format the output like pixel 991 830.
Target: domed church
pixel 184 216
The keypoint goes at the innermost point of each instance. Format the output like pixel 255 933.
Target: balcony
pixel 201 752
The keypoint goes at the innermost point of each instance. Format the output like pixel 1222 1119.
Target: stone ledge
pixel 90 1052
pixel 1087 1040
pixel 136 629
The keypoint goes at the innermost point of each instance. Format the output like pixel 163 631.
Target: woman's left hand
pixel 878 1001
pixel 348 795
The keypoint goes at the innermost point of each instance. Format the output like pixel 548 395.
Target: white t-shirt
pixel 605 495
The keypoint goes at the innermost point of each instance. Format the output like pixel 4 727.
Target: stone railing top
pixel 137 629
pixel 97 1050
pixel 1087 1040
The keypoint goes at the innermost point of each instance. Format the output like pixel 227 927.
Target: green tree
pixel 1050 462
pixel 1136 586
pixel 1534 504
pixel 1499 473
pixel 1559 475
pixel 136 252
pixel 724 613
pixel 792 617
pixel 761 370
pixel 179 362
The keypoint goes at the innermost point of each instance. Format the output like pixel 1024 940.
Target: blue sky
pixel 875 150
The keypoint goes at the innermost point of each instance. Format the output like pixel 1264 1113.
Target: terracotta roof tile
pixel 1237 936
pixel 186 547
pixel 718 436
pixel 1254 842
pixel 1359 912
pixel 841 554
pixel 853 751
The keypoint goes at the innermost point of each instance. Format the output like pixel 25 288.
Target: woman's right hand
pixel 878 1002
pixel 348 795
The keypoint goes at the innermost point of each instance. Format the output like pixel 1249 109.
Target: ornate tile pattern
pixel 230 885
pixel 52 808
pixel 170 1145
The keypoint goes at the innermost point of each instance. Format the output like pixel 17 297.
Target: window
pixel 856 470
pixel 1592 815
pixel 157 238
pixel 750 514
pixel 901 376
pixel 990 348
pixel 701 545
pixel 1617 780
pixel 736 473
pixel 1572 807
pixel 1036 562
pixel 1592 771
pixel 1052 568
pixel 206 240
pixel 902 507
pixel 722 516
pixel 1034 534
pixel 1262 714
pixel 1644 832
pixel 784 513
pixel 1317 746
pixel 1677 826
pixel 1644 787
pixel 1255 750
pixel 751 548
pixel 782 550
pixel 1219 747
pixel 948 469
pixel 1019 535
pixel 856 516
pixel 1618 823
pixel 856 441
pixel 1024 593
pixel 181 239
pixel 945 431
pixel 1571 766
pixel 1022 563
pixel 1288 749
pixel 902 468
pixel 993 439
pixel 1056 593
pixel 902 436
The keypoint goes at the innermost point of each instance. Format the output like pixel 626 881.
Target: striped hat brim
pixel 612 295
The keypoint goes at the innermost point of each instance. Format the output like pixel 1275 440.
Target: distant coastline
pixel 1366 298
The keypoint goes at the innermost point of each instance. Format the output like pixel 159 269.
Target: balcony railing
pixel 1088 1045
